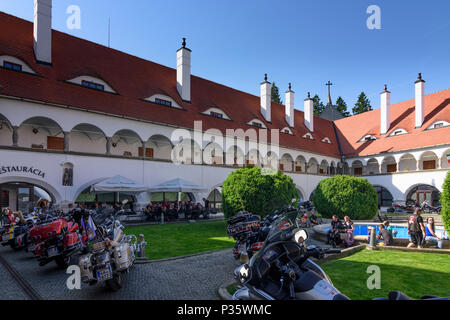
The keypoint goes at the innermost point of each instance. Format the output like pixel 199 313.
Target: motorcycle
pixel 283 270
pixel 56 239
pixel 111 253
pixel 245 229
pixel 15 233
pixel 426 207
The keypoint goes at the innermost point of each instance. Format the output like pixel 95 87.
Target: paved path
pixel 191 278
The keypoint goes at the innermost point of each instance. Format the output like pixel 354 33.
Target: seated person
pixel 430 233
pixel 386 236
pixel 313 220
pixel 334 226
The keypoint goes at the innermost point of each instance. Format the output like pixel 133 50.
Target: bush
pixel 250 190
pixel 343 195
pixel 445 202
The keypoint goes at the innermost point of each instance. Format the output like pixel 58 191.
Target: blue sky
pixel 305 42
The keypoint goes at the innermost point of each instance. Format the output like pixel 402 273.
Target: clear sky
pixel 306 42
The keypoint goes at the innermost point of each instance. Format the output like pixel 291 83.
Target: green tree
pixel 341 106
pixel 445 202
pixel 344 195
pixel 318 105
pixel 251 190
pixel 275 94
pixel 362 105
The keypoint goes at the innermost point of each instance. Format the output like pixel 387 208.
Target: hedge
pixel 445 202
pixel 255 191
pixel 344 195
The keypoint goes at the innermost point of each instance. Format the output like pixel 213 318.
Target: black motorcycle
pixel 283 270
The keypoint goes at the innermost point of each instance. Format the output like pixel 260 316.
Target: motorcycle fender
pixel 123 256
pixel 85 265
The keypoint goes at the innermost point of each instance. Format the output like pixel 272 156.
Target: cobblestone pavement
pixel 191 278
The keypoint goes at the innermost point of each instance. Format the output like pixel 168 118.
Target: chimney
pixel 184 72
pixel 42 31
pixel 309 113
pixel 420 103
pixel 289 97
pixel 266 98
pixel 385 111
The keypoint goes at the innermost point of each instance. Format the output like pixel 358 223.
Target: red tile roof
pixel 135 79
pixel 353 129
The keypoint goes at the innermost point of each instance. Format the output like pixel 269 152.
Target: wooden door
pixel 429 165
pixel 55 143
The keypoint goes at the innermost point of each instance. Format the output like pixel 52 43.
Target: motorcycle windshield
pixel 283 225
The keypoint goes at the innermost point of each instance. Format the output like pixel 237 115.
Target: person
pixel 350 228
pixel 385 235
pixel 416 229
pixel 430 233
pixel 313 219
pixel 206 212
pixel 335 223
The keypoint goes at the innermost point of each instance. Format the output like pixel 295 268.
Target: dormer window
pixel 368 137
pixel 439 124
pixel 286 130
pixel 398 132
pixel 308 135
pixel 12 66
pixel 257 123
pixel 15 64
pixel 216 114
pixel 93 85
pixel 326 140
pixel 163 102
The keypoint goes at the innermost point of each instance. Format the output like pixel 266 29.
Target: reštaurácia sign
pixel 23 169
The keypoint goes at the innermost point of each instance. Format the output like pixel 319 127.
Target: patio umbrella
pixel 177 185
pixel 118 184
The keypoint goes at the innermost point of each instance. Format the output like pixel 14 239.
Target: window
pixel 216 114
pixel 429 165
pixel 385 198
pixel 308 136
pixel 163 102
pixel 257 124
pixel 390 168
pixel 92 85
pixel 55 143
pixel 357 171
pixel 326 140
pixel 148 152
pixel 298 169
pixel 12 66
pixel 438 125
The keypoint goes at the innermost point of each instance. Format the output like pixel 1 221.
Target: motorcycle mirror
pixel 301 236
pixel 293 200
pixel 125 201
pixel 244 273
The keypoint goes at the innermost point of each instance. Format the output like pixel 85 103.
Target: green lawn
pixel 413 273
pixel 172 240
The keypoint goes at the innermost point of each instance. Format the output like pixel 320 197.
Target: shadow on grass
pixel 350 277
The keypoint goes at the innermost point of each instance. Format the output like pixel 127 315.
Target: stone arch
pixel 86 137
pixel 126 142
pixel 53 192
pixel 34 132
pixel 428 160
pixel 213 154
pixel 286 162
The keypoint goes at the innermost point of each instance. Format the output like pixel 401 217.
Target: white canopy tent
pixel 177 185
pixel 119 184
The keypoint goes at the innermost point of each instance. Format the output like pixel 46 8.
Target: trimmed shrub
pixel 445 202
pixel 343 195
pixel 251 190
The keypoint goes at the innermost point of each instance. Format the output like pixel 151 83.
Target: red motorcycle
pixel 56 240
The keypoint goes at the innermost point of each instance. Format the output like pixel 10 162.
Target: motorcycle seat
pixel 397 295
